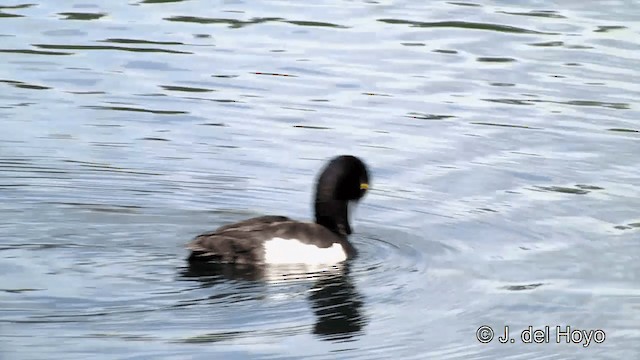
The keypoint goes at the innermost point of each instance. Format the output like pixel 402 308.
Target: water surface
pixel 502 139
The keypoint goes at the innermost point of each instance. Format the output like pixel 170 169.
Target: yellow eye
pixel 364 186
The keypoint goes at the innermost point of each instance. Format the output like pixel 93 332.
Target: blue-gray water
pixel 503 139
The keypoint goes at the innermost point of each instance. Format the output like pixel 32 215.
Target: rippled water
pixel 503 139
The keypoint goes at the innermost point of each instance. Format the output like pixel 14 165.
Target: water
pixel 502 138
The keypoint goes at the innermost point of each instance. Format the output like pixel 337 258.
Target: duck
pixel 275 239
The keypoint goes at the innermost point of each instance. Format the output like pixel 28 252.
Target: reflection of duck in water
pixel 338 307
pixel 280 240
pixel 334 298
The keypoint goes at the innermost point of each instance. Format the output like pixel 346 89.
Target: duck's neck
pixel 334 215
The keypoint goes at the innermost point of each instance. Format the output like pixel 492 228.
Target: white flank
pixel 292 251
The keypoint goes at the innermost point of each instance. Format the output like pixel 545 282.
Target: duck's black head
pixel 345 178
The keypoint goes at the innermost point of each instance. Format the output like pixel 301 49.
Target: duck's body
pixel 271 240
pixel 281 240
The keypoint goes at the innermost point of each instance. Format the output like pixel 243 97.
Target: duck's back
pixel 271 240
